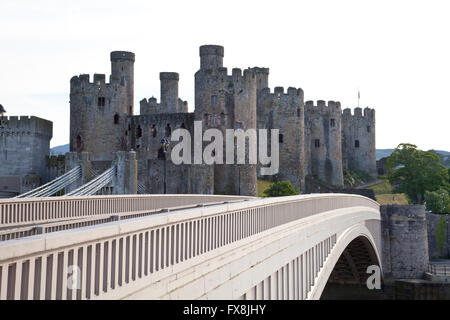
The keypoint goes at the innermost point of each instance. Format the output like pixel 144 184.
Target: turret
pixel 262 78
pixel 122 68
pixel 211 57
pixel 169 91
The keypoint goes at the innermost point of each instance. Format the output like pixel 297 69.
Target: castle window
pixel 214 100
pixel 183 126
pixel 317 143
pixel 239 125
pixel 280 138
pixel 130 110
pixel 116 119
pixel 78 143
pixel 368 128
pixel 139 132
pixel 168 130
pixel 205 118
pixel 298 113
pixel 153 131
pixel 332 122
pixel 126 133
pixel 356 143
pixel 101 101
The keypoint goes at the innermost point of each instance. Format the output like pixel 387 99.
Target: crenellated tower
pixel 286 112
pixel 98 115
pixel 358 140
pixel 24 145
pixel 226 101
pixel 323 141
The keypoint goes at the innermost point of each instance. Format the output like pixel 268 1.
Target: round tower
pixel 211 57
pixel 122 68
pixel 169 91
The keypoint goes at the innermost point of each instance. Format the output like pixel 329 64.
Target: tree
pixel 280 189
pixel 438 201
pixel 414 171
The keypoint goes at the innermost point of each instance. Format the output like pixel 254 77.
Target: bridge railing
pixel 28 211
pixel 113 257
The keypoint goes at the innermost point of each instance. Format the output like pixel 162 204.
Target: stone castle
pixel 316 139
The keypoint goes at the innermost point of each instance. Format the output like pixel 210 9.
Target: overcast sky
pixel 396 52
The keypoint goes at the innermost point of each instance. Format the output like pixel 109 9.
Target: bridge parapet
pixel 28 211
pixel 117 258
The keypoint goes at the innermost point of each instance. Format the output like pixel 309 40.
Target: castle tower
pixel 169 91
pixel 122 68
pixel 358 140
pixel 323 141
pixel 170 102
pixel 211 57
pixel 99 110
pixel 285 112
pixel 24 145
pixel 224 101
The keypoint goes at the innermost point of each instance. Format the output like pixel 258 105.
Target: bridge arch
pixel 347 265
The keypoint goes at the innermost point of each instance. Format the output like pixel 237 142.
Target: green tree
pixel 280 189
pixel 441 233
pixel 413 171
pixel 437 201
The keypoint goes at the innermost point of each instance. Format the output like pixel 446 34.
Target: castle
pixel 315 139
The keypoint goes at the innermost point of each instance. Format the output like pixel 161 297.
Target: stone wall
pixel 404 241
pixel 432 222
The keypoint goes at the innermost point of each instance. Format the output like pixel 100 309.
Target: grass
pixel 382 188
pixel 384 194
pixel 392 198
pixel 262 185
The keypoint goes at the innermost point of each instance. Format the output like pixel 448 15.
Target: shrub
pixel 281 189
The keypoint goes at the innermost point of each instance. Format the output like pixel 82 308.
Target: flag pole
pixel 359 96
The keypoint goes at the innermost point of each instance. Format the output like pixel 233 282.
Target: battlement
pixel 369 114
pixel 211 50
pixel 20 124
pixel 260 70
pixel 322 107
pixel 122 55
pixel 83 81
pixel 278 93
pixel 169 76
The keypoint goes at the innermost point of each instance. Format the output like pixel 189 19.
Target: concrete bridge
pixel 186 246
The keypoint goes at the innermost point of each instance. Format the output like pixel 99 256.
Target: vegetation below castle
pixel 353 178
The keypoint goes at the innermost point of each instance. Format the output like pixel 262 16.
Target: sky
pixel 397 53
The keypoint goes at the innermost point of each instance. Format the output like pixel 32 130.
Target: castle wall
pixel 285 111
pixel 225 101
pixel 97 126
pixel 179 178
pixel 358 140
pixel 323 141
pixel 24 145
